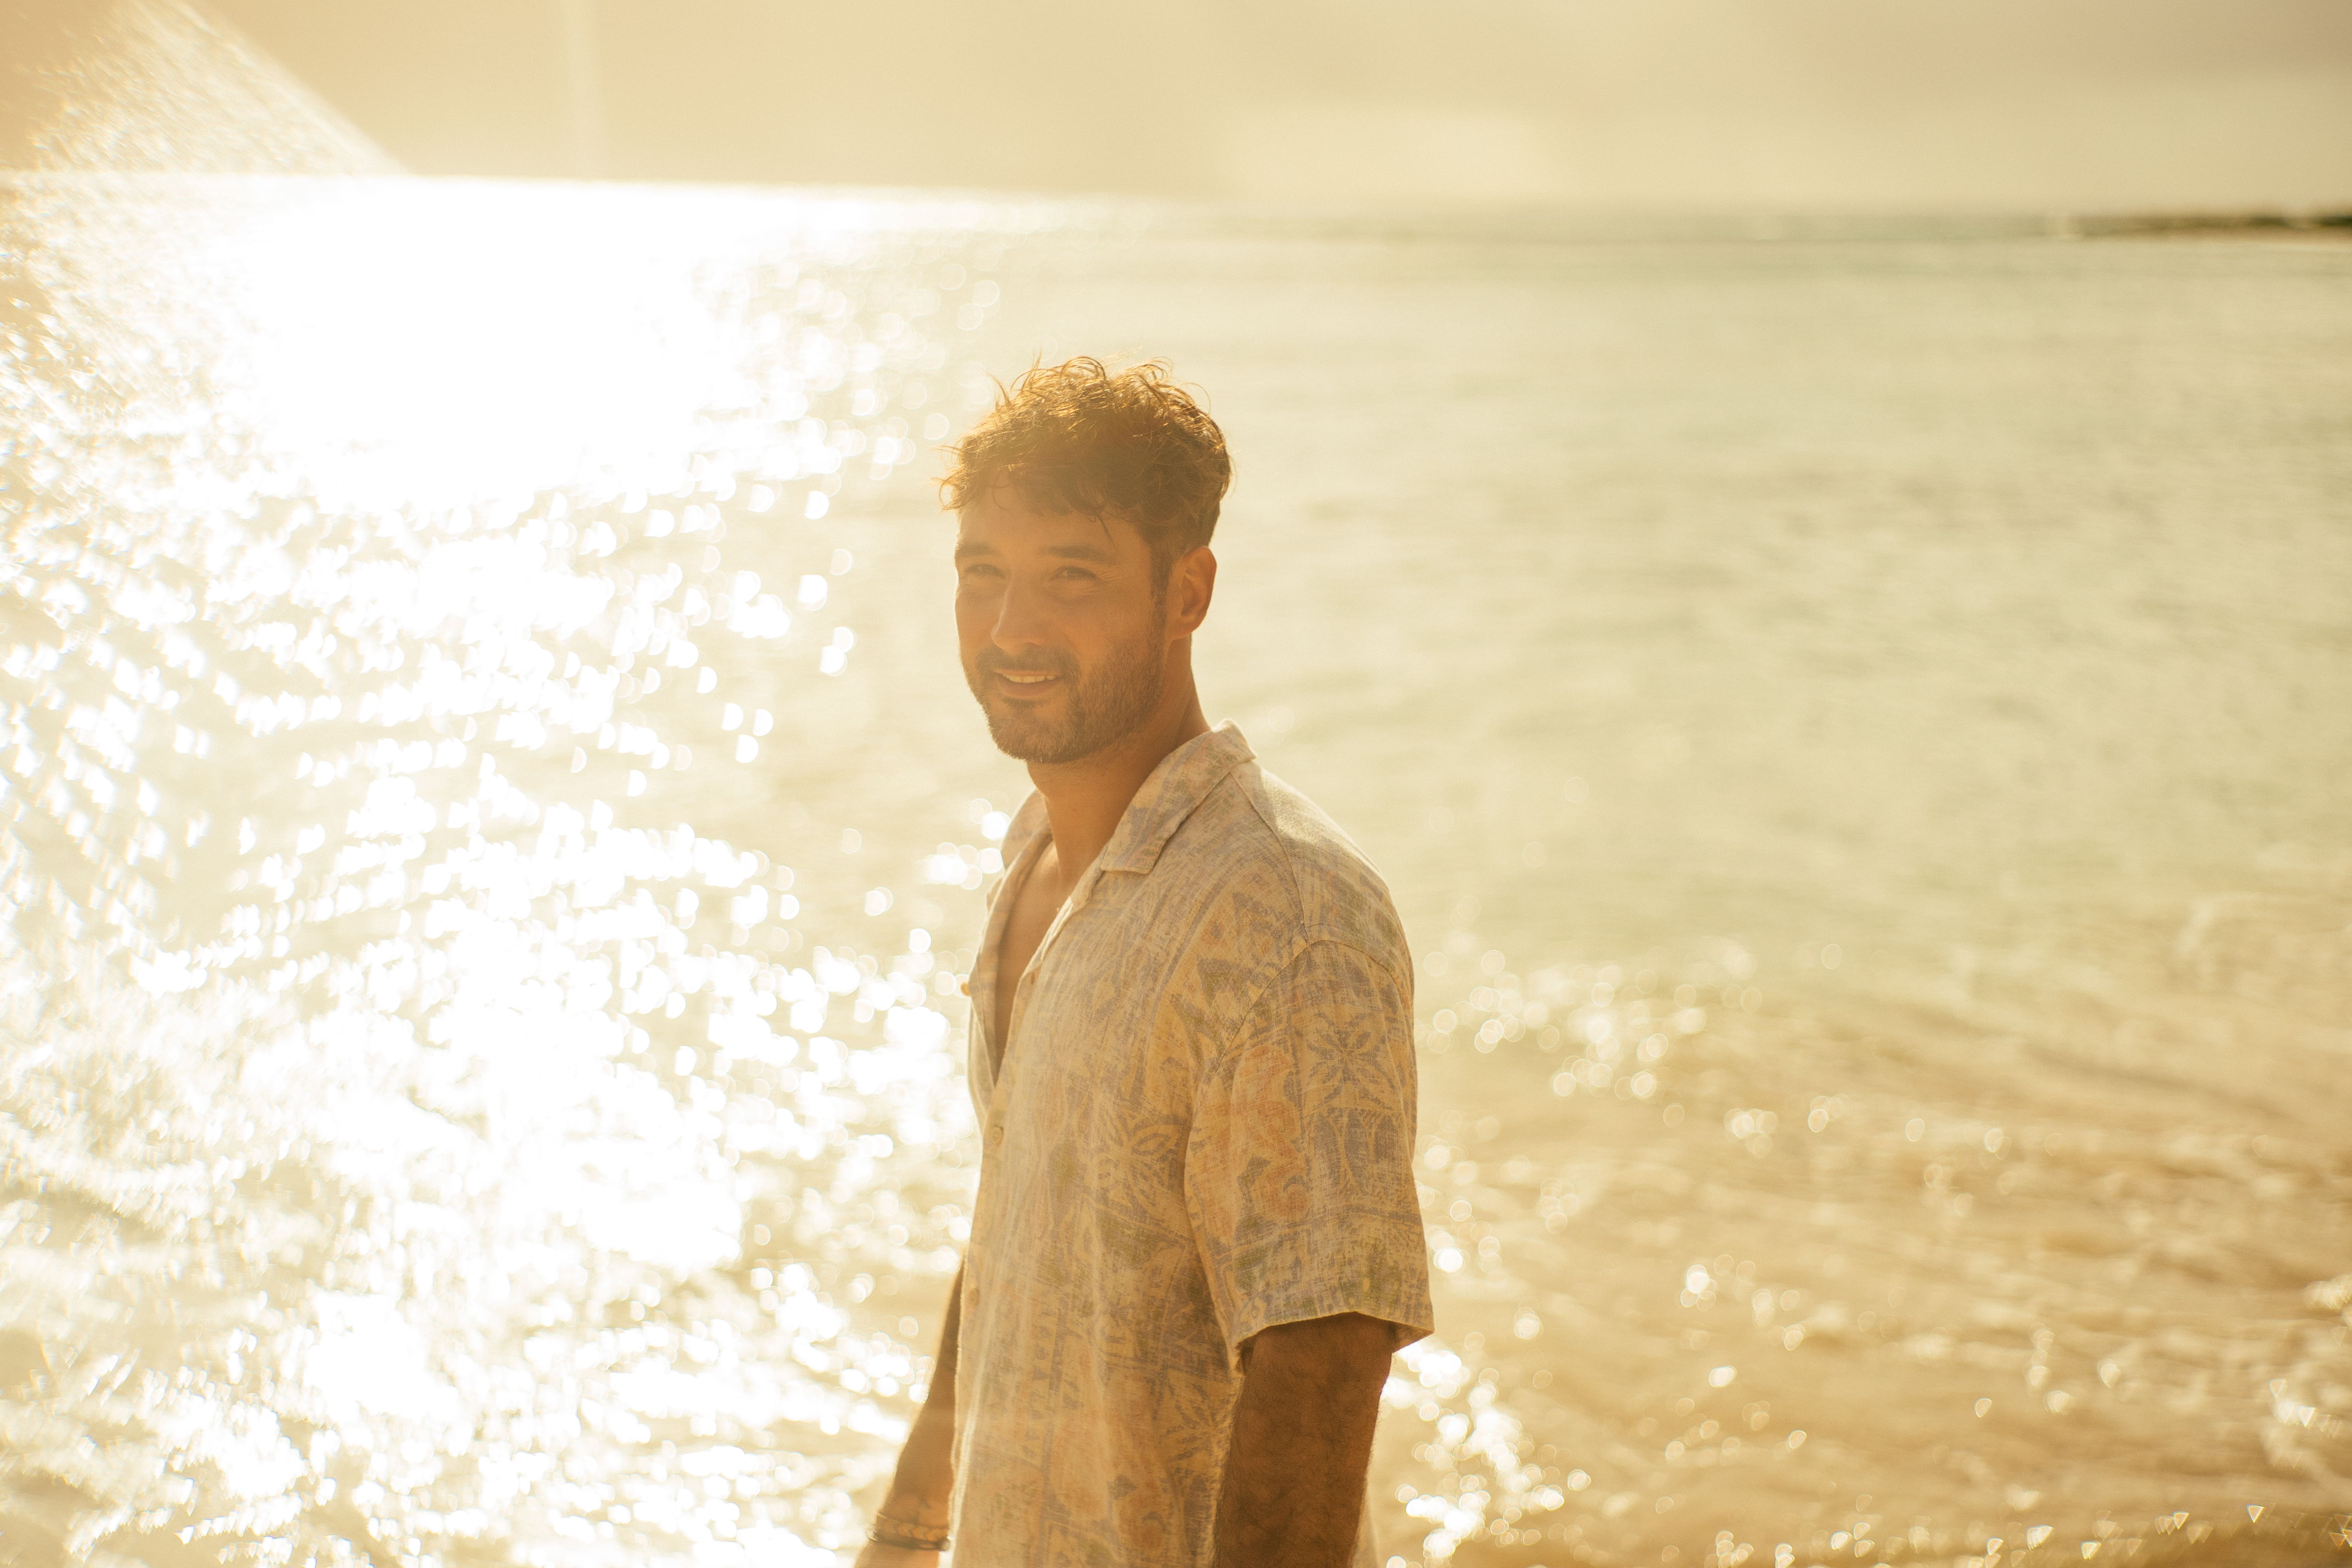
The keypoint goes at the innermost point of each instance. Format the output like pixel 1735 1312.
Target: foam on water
pixel 493 831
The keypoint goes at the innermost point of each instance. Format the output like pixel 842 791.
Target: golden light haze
pixel 493 827
pixel 1710 104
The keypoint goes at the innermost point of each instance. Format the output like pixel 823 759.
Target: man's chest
pixel 1103 1039
pixel 1109 1009
pixel 1091 1115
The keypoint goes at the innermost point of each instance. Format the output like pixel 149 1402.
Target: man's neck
pixel 1086 799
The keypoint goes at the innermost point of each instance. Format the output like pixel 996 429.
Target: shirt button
pixel 995 1133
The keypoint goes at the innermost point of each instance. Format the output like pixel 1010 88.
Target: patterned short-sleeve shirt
pixel 1200 1126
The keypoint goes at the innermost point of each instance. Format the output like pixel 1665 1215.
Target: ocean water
pixel 1853 720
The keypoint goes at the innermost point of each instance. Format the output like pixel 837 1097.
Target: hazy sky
pixel 1708 103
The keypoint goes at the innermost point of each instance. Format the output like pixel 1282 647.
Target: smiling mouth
pixel 1025 677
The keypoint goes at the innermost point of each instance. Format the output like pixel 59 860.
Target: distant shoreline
pixel 1141 218
pixel 2257 224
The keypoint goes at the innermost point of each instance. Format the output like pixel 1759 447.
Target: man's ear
pixel 1192 584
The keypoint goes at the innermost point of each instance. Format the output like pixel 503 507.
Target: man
pixel 1196 1241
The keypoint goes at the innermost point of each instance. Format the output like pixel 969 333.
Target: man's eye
pixel 1076 573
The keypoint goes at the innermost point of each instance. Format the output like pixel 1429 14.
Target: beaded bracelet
pixel 905 1534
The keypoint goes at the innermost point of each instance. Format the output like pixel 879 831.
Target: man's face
pixel 1062 636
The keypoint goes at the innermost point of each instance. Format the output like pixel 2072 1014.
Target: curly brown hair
pixel 1079 437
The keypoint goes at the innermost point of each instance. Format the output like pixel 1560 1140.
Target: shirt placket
pixel 998 1090
pixel 982 986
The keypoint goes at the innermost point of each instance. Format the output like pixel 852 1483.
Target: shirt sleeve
pixel 1299 1173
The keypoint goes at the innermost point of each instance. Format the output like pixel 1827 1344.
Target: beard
pixel 1088 711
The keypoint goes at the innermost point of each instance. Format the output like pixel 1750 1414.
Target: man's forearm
pixel 1294 1486
pixel 920 1490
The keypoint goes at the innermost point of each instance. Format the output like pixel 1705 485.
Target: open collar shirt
pixel 1200 1125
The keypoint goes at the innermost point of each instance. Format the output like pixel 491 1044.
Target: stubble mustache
pixel 993 663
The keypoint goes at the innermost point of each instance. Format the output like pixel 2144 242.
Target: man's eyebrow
pixel 972 549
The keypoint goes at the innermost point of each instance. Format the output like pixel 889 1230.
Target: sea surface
pixel 1854 718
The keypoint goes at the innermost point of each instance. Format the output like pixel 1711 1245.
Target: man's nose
pixel 1020 618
